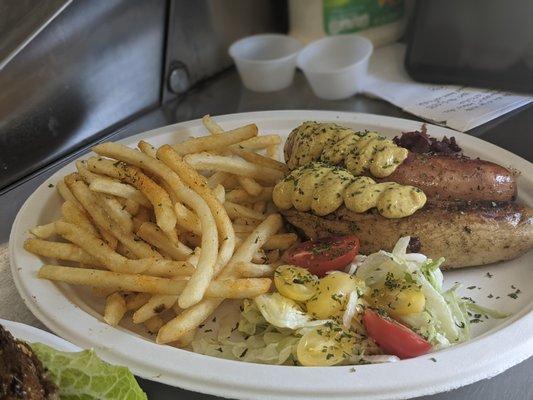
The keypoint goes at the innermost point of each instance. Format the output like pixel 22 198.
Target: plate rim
pixel 226 387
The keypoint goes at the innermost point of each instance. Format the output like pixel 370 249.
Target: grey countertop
pixel 224 94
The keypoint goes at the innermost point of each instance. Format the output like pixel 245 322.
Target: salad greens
pixel 84 376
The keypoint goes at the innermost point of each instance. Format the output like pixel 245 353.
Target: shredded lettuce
pixel 84 376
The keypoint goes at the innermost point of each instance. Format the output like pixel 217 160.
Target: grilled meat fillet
pixel 464 233
pixel 22 376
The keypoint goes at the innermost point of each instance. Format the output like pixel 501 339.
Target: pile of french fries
pixel 167 234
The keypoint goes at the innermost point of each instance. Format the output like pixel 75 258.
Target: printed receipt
pixel 457 107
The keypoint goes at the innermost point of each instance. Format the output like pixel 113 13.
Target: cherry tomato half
pixel 323 255
pixel 393 337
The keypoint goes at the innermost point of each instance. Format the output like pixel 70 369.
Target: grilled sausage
pixel 464 233
pixel 443 177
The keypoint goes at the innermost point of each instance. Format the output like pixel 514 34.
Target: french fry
pixel 220 193
pixel 193 179
pixel 235 210
pixel 251 270
pixel 158 197
pixel 91 204
pixel 243 229
pixel 258 158
pixel 194 257
pixel 115 308
pixel 60 251
pixel 246 221
pixel 157 304
pixel 119 189
pixel 77 216
pixel 216 142
pixel 280 241
pixel 241 196
pixel 260 206
pixel 102 293
pixel 147 148
pixel 44 231
pixel 65 192
pixel 260 142
pixel 272 151
pixel 135 301
pixel 116 211
pixel 250 185
pixel 187 219
pixel 212 126
pixel 153 324
pixel 186 339
pixel 131 206
pixel 85 174
pixel 117 263
pixel 199 281
pixel 152 234
pixel 228 288
pixel 192 317
pixel 217 178
pixel 237 166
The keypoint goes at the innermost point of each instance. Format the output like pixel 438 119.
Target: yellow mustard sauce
pixel 359 152
pixel 323 188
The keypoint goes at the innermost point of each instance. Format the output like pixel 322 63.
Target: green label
pixel 348 16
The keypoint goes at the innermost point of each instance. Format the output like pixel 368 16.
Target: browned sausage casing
pixel 456 178
pixel 465 234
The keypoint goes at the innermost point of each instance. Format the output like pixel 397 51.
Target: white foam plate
pixel 496 346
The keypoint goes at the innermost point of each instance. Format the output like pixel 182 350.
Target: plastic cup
pixel 266 63
pixel 336 66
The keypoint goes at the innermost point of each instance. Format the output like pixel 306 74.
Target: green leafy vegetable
pixel 84 376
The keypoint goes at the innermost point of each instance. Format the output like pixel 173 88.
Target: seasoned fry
pixel 212 126
pixel 258 159
pixel 159 198
pixel 131 206
pixel 280 241
pixel 60 251
pixel 260 142
pixel 241 196
pixel 115 308
pixel 157 304
pixel 147 148
pixel 250 185
pixel 217 178
pixel 187 219
pixel 90 202
pixel 216 142
pixel 191 177
pixel 152 234
pixel 237 166
pixel 229 288
pixel 85 174
pixel 251 270
pixel 237 211
pixel 197 285
pixel 154 324
pixel 102 292
pixel 116 211
pixel 114 261
pixel 44 231
pixel 65 192
pixel 260 206
pixel 77 216
pixel 119 189
pixel 247 221
pixel 220 193
pixel 136 300
pixel 192 317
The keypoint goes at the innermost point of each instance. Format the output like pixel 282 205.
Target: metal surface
pixel 21 21
pixel 199 35
pixel 82 76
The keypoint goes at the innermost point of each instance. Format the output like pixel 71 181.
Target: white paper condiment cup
pixel 336 66
pixel 266 62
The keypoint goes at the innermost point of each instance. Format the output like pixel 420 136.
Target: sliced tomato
pixel 323 255
pixel 393 337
